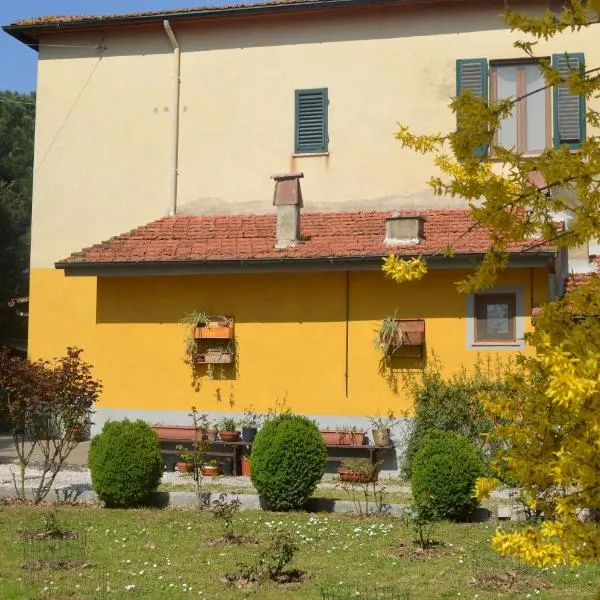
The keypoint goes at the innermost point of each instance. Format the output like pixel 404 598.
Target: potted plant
pixel 346 435
pixel 212 468
pixel 246 465
pixel 212 431
pixel 196 318
pixel 381 427
pixel 250 424
pixel 390 336
pixel 215 328
pixel 228 431
pixel 357 470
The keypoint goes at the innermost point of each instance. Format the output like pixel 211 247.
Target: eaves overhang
pixel 283 265
pixel 29 33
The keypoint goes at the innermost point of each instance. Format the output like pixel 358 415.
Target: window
pixel 495 318
pixel 311 121
pixel 528 129
pixel 548 117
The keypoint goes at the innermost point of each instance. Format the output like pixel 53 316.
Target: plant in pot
pixel 250 423
pixel 191 320
pixel 349 435
pixel 212 468
pixel 228 431
pixel 381 426
pixel 356 470
pixel 389 337
pixel 212 431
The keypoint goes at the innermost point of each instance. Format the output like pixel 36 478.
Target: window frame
pixel 481 301
pixel 521 110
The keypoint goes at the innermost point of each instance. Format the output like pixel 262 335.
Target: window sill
pixel 309 154
pixel 508 344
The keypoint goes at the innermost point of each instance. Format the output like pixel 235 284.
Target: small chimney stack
pixel 288 201
pixel 403 230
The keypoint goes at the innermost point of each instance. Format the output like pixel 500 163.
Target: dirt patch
pixel 56 565
pixel 232 540
pixel 43 534
pixel 510 581
pixel 251 578
pixel 413 551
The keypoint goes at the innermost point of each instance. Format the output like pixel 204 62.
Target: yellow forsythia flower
pixel 402 270
pixel 484 487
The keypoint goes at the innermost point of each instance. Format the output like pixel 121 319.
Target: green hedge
pixel 126 463
pixel 288 460
pixel 444 472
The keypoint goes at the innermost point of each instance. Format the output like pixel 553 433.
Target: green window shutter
pixel 311 121
pixel 472 74
pixel 569 109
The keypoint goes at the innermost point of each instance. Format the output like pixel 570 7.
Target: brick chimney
pixel 288 201
pixel 403 230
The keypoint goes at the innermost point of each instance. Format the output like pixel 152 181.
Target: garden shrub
pixel 126 462
pixel 444 472
pixel 287 461
pixel 452 404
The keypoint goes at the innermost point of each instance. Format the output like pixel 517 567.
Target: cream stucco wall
pixel 105 114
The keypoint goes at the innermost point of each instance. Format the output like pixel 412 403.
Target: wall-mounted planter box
pixel 215 358
pixel 218 328
pixel 333 437
pixel 413 331
pixel 175 432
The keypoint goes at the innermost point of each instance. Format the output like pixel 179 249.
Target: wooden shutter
pixel 472 74
pixel 569 109
pixel 311 121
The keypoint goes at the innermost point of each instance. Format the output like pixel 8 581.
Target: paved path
pixel 77 458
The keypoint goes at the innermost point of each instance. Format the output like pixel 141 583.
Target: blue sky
pixel 18 63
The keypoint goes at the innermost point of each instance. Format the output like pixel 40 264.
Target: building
pixel 172 134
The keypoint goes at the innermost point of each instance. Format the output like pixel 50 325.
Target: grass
pixel 164 554
pixel 330 493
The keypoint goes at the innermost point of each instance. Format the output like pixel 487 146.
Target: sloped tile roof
pixel 335 235
pixel 576 280
pixel 203 9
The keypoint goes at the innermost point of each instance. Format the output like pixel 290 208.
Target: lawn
pixel 157 554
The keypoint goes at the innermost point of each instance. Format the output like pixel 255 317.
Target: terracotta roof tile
pixel 578 279
pixel 252 237
pixel 192 11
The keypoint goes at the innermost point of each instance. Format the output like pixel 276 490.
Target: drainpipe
pixel 175 105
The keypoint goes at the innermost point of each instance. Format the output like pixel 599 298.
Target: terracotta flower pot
pixel 211 435
pixel 175 432
pixel 184 467
pixel 229 436
pixel 335 437
pixel 211 470
pixel 356 476
pixel 246 466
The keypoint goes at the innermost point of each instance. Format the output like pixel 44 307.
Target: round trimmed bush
pixel 287 461
pixel 443 476
pixel 126 462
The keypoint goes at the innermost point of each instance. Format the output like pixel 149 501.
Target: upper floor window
pixel 311 121
pixel 528 128
pixel 543 117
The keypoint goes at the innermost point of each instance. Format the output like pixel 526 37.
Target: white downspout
pixel 175 104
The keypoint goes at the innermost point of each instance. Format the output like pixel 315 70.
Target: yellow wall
pixel 290 330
